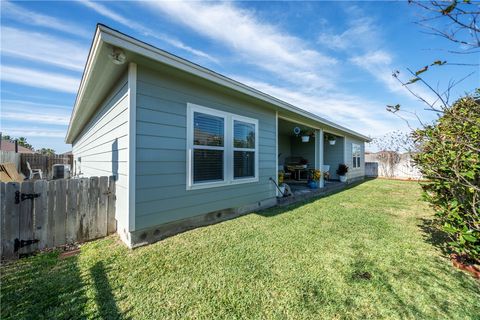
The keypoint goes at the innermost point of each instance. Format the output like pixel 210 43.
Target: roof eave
pixel 87 71
pixel 112 37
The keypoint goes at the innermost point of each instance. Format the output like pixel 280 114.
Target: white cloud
pixel 52 119
pixel 44 48
pixel 379 64
pixel 18 104
pixel 367 117
pixel 39 79
pixel 101 9
pixel 25 111
pixel 311 81
pixel 19 13
pixel 259 43
pixel 31 132
pixel 360 33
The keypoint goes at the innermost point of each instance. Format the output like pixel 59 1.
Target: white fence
pixel 404 169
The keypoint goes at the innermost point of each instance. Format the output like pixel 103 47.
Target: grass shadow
pixel 434 235
pixel 43 287
pixel 104 298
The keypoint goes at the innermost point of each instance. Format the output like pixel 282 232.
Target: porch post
pixel 276 153
pixel 320 156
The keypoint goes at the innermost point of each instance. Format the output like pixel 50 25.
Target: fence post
pixel 2 215
pixel 72 210
pixel 26 218
pixel 60 212
pixel 111 222
pixel 82 221
pixel 93 208
pixel 41 213
pixel 50 213
pixel 102 207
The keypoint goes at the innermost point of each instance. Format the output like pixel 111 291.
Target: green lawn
pixel 361 253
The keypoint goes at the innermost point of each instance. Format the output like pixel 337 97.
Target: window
pixel 243 149
pixel 208 147
pixel 222 148
pixel 356 150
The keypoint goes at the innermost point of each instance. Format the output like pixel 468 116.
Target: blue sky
pixel 331 58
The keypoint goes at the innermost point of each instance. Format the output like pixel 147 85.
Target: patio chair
pixel 34 172
pixel 326 171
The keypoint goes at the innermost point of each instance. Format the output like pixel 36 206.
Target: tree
pixel 450 158
pixel 391 146
pixel 46 151
pixel 449 149
pixel 458 22
pixel 22 141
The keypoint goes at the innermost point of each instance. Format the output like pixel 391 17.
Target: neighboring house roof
pixel 100 73
pixel 7 145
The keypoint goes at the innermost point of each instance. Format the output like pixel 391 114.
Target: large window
pixel 222 148
pixel 356 150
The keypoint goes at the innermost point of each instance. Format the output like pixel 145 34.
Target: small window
pixel 356 151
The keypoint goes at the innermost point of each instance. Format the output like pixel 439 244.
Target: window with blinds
pixel 243 149
pixel 222 148
pixel 356 150
pixel 208 147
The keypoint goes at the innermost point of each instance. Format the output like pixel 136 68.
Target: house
pixel 189 146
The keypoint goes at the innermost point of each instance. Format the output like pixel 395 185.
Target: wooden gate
pixel 45 214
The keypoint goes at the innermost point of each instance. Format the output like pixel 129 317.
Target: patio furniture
pixel 326 171
pixel 34 172
pixel 298 170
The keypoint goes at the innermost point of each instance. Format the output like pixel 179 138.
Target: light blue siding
pixel 355 172
pixel 305 150
pixel 284 148
pixel 333 155
pixel 161 194
pixel 102 147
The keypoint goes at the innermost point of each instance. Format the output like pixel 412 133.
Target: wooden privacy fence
pixel 44 214
pixel 43 162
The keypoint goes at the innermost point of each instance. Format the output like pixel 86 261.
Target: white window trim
pixel 227 147
pixel 255 150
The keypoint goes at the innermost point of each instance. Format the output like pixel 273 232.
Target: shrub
pixel 342 169
pixel 449 157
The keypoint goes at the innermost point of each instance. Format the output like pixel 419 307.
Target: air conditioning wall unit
pixel 61 171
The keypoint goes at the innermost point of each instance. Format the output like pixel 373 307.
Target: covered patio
pixel 302 150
